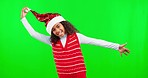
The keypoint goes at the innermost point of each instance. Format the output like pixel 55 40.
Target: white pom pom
pixel 26 10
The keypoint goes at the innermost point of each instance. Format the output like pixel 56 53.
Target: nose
pixel 57 31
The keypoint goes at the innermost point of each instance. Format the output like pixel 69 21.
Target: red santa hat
pixel 50 19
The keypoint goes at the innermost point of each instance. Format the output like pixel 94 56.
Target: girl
pixel 65 41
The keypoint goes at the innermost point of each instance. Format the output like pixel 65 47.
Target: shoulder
pixel 79 35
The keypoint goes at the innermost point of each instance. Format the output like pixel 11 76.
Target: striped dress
pixel 68 59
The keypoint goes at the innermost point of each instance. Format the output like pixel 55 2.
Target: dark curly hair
pixel 69 29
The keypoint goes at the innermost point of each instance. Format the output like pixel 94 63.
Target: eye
pixel 58 26
pixel 53 29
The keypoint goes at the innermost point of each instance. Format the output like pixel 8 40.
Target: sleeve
pixel 98 42
pixel 33 33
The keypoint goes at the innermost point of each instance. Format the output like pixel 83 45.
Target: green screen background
pixel 119 21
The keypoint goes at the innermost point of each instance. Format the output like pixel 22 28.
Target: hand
pixel 23 13
pixel 122 49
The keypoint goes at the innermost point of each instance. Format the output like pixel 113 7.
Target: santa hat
pixel 50 19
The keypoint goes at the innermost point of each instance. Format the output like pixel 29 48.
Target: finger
pixel 25 9
pixel 21 13
pixel 125 53
pixel 120 54
pixel 127 50
pixel 124 45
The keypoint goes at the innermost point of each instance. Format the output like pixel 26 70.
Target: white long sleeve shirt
pixel 82 39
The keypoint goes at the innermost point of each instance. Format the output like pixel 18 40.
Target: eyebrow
pixel 58 24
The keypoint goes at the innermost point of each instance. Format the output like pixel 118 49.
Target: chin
pixel 61 35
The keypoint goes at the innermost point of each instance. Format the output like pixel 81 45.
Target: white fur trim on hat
pixel 28 9
pixel 52 22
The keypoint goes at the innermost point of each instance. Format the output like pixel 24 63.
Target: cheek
pixel 54 32
pixel 63 29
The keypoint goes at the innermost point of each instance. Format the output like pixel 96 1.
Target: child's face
pixel 58 30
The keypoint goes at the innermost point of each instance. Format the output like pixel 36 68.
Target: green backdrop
pixel 119 21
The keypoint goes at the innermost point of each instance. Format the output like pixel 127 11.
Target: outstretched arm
pixel 87 40
pixel 32 32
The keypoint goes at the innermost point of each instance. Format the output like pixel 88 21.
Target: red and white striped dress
pixel 69 59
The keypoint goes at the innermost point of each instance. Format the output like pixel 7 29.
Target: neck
pixel 64 36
